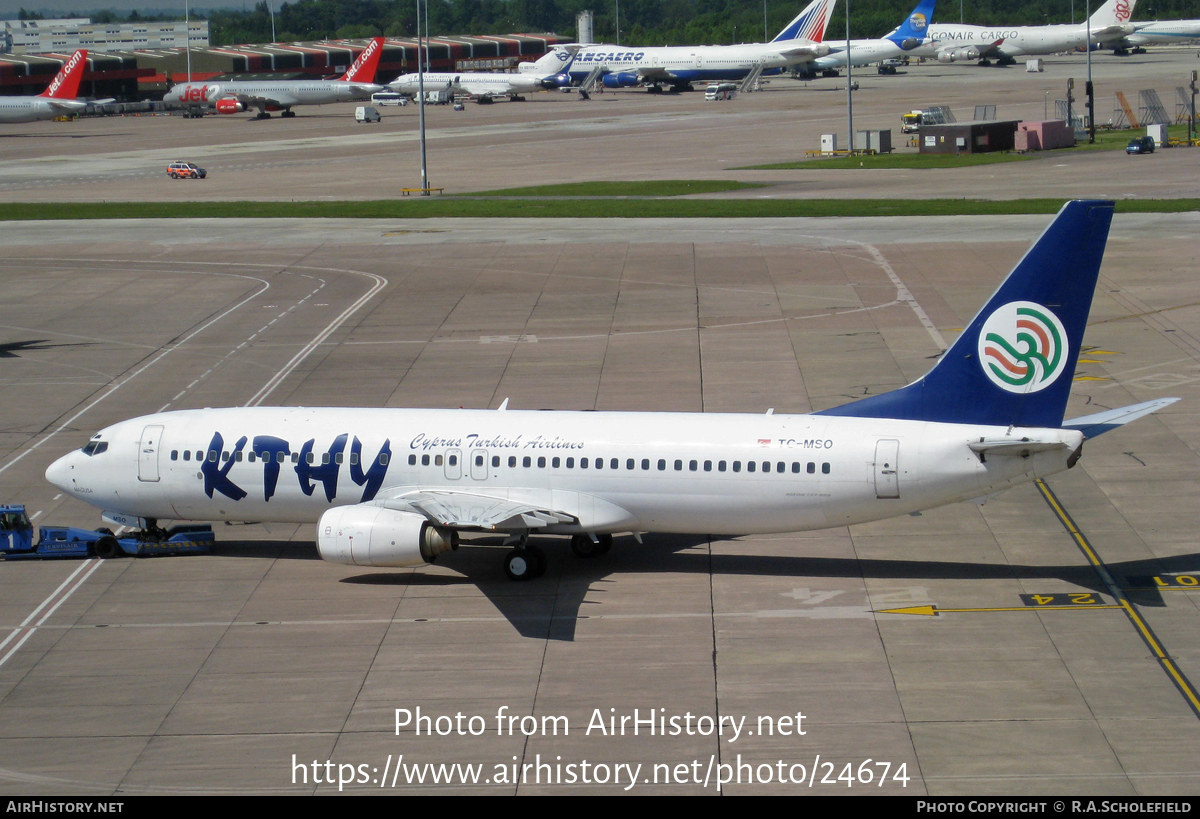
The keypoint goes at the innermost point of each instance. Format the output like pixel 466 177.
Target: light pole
pixel 421 99
pixel 1091 99
pixel 187 33
pixel 618 2
pixel 849 81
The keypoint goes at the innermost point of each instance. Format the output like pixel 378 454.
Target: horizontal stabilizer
pixel 1101 422
pixel 1019 448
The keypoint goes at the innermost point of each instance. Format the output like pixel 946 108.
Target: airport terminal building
pixel 145 73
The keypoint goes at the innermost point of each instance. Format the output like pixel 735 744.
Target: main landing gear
pixel 526 561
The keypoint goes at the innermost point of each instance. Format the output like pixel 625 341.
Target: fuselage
pixel 280 93
pixel 31 109
pixel 1014 41
pixel 862 52
pixel 693 63
pixel 475 83
pixel 611 472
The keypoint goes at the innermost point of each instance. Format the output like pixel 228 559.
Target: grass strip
pixel 878 161
pixel 441 207
pixel 664 187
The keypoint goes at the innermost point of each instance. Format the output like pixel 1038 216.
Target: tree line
pixel 642 22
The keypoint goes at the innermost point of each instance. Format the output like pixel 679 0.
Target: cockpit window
pixel 95 448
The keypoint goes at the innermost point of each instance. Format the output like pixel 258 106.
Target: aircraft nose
pixel 59 472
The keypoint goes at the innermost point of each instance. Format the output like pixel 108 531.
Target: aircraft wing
pixel 279 100
pixel 805 51
pixel 479 89
pixel 468 510
pixel 649 73
pixel 1112 32
pixel 66 106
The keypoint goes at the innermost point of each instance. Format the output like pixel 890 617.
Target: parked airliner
pixel 548 72
pixel 56 100
pixel 1156 32
pixel 394 487
pixel 913 32
pixel 679 66
pixel 235 96
pixel 951 42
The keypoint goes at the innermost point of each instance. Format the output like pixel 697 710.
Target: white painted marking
pixel 57 597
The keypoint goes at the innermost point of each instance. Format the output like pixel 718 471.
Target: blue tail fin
pixel 915 28
pixel 1013 364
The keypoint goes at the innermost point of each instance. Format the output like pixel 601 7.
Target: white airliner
pixel 913 32
pixel 1158 32
pixel 394 487
pixel 954 43
pixel 55 101
pixel 679 66
pixel 548 72
pixel 235 96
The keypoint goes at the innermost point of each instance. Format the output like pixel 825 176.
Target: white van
pixel 365 113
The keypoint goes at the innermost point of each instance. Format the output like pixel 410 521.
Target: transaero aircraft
pixel 395 487
pixel 547 73
pixel 679 66
pixel 55 101
pixel 236 96
pixel 953 43
pixel 913 32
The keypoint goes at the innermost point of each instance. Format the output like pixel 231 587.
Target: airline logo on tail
pixel 1123 11
pixel 1022 347
pixel 918 21
pixel 66 82
pixel 363 69
pixel 809 24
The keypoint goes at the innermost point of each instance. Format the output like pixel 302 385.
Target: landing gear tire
pixel 288 113
pixel 106 548
pixel 583 546
pixel 525 563
pixel 262 115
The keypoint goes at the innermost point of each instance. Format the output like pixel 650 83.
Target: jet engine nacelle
pixel 622 79
pixel 374 536
pixel 229 107
pixel 557 81
pixel 967 53
pixel 911 43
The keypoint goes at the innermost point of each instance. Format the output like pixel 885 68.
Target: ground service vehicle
pixel 913 120
pixel 16 539
pixel 185 170
pixel 1140 145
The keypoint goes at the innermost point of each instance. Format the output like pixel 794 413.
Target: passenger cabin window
pixel 412 460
